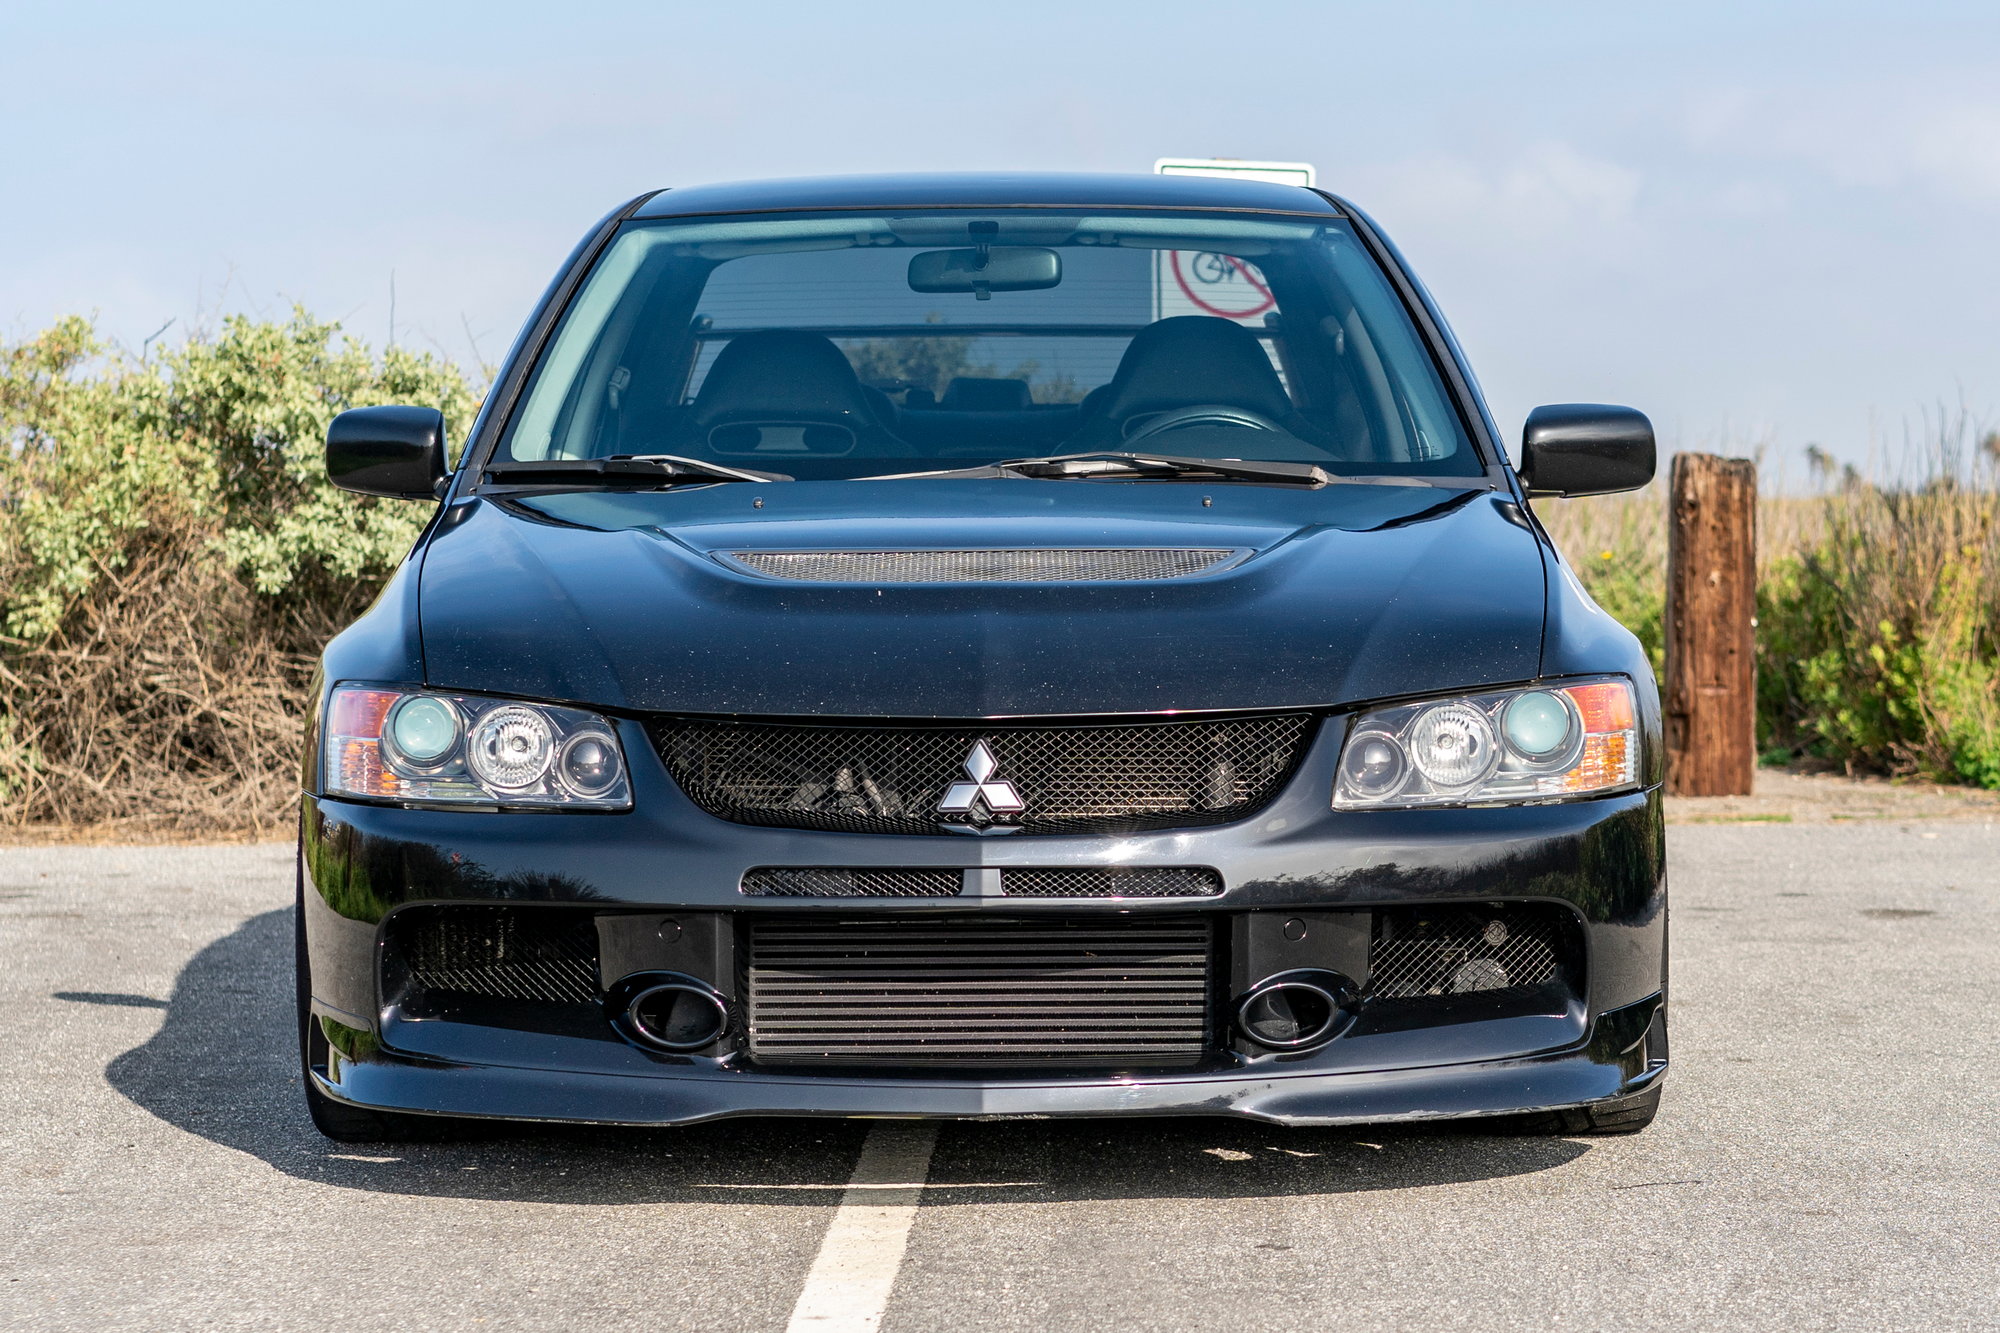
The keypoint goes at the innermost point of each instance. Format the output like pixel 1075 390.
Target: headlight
pixel 460 749
pixel 1546 743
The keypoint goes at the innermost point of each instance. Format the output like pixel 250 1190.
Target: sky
pixel 1766 225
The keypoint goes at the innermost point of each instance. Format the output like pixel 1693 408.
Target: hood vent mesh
pixel 1093 565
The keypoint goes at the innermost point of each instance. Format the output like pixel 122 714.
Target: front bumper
pixel 1592 1071
pixel 1602 860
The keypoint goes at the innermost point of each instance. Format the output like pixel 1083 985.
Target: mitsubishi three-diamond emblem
pixel 982 798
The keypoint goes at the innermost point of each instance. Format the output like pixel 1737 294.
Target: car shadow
pixel 223 1066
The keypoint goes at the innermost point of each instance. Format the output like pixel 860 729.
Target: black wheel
pixel 337 1120
pixel 1627 1115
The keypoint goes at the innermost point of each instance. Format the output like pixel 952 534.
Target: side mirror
pixel 1586 449
pixel 396 452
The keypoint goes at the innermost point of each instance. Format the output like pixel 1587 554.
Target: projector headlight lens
pixel 415 747
pixel 1374 763
pixel 1538 724
pixel 1550 743
pixel 589 763
pixel 423 729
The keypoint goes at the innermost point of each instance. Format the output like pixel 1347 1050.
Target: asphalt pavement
pixel 1828 1155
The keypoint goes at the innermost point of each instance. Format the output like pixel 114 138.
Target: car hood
pixel 1331 596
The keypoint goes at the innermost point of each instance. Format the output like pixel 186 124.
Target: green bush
pixel 172 556
pixel 1877 643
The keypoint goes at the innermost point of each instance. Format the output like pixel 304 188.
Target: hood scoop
pixel 1101 564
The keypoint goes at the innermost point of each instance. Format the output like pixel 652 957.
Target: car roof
pixel 995 189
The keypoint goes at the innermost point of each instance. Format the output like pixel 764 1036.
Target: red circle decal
pixel 1212 272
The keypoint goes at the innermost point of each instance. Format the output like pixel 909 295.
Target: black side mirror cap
pixel 1586 449
pixel 397 452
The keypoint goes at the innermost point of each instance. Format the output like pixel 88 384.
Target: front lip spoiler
pixel 1578 1076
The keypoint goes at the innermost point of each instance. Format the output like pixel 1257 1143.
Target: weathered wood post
pixel 1711 698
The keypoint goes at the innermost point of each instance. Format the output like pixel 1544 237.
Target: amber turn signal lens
pixel 354 741
pixel 1606 705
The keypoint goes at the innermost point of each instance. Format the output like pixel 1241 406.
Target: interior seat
pixel 782 391
pixel 1185 361
pixel 968 393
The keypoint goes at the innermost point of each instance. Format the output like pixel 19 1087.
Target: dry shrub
pixel 165 702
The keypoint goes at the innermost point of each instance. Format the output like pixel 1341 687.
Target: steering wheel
pixel 1201 414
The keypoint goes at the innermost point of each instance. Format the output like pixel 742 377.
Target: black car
pixel 984 646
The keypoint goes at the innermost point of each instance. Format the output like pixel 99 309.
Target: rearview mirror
pixel 985 270
pixel 1586 449
pixel 396 452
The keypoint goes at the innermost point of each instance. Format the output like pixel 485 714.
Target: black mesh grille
pixel 1113 882
pixel 512 953
pixel 1462 949
pixel 1071 778
pixel 1101 565
pixel 842 882
pixel 1107 993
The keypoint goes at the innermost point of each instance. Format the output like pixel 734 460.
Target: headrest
pixel 1192 359
pixel 967 394
pixel 779 375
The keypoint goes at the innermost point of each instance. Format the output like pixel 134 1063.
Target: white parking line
pixel 848 1289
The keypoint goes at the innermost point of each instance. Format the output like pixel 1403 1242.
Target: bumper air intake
pixel 1464 949
pixel 1048 992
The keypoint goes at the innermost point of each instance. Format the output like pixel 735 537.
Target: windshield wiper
pixel 1118 464
pixel 622 469
pixel 1164 466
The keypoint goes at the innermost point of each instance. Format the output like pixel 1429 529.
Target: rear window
pixel 845 345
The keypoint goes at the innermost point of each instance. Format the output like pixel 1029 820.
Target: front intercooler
pixel 1103 992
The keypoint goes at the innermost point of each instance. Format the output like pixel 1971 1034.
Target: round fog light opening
pixel 512 748
pixel 1537 724
pixel 1453 745
pixel 1289 1014
pixel 678 1017
pixel 589 763
pixel 423 729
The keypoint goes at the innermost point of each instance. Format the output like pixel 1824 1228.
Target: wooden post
pixel 1711 701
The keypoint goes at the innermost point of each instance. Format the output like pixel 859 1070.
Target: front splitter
pixel 390 1082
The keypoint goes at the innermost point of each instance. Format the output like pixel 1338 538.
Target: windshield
pixel 852 345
